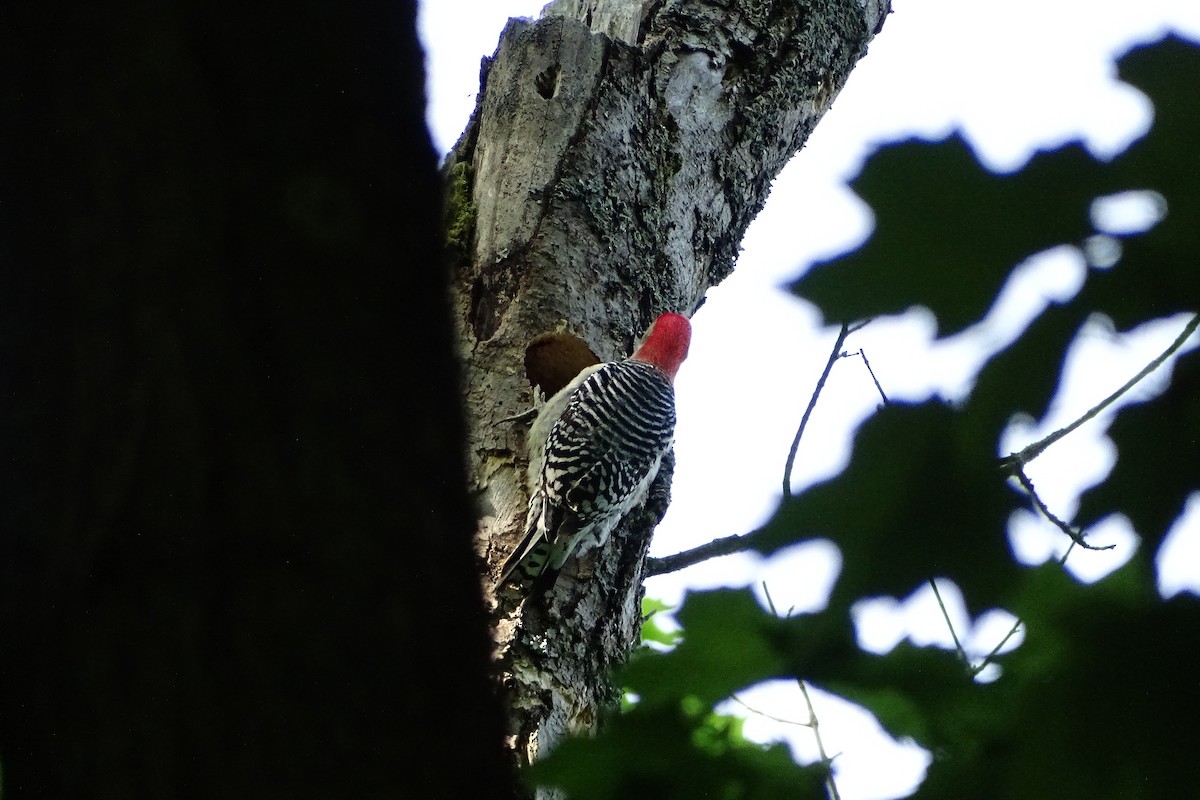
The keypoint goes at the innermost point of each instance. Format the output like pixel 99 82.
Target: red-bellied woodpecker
pixel 594 449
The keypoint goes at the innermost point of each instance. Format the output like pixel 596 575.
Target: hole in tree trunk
pixel 553 359
pixel 546 82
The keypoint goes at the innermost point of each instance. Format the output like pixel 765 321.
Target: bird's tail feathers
pixel 532 555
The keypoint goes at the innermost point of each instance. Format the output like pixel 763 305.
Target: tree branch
pixel 878 386
pixel 991 657
pixel 1014 463
pixel 813 722
pixel 739 542
pixel 724 546
pixel 962 654
pixel 1076 536
pixel 1016 626
pixel 826 761
pixel 758 713
pixel 812 403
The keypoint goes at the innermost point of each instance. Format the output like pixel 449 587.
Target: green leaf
pixel 922 498
pixel 727 646
pixel 919 692
pixel 666 753
pixel 1159 273
pixel 948 232
pixel 1023 378
pixel 651 630
pixel 1097 702
pixel 1158 461
pixel 1157 465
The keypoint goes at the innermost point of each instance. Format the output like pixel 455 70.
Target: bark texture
pixel 235 541
pixel 601 182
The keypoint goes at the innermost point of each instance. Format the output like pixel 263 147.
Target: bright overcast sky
pixel 1014 77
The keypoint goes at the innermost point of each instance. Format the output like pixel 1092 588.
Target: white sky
pixel 1014 77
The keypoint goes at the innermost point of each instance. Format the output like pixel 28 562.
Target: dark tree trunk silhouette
pixel 234 538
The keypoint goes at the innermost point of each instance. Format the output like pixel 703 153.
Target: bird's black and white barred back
pixel 607 446
pixel 607 434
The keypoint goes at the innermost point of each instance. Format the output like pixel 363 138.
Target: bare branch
pixel 962 654
pixel 990 657
pixel 724 546
pixel 812 403
pixel 830 785
pixel 1076 536
pixel 741 542
pixel 765 715
pixel 878 387
pixel 1013 464
pixel 813 722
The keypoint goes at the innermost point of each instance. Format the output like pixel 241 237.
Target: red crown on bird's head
pixel 666 345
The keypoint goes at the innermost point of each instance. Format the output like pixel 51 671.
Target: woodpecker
pixel 594 449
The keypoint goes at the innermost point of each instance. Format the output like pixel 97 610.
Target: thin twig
pixel 770 600
pixel 765 715
pixel 813 722
pixel 1014 465
pixel 859 352
pixel 1016 461
pixel 990 657
pixel 826 761
pixel 978 668
pixel 962 653
pixel 1076 536
pixel 740 542
pixel 812 403
pixel 724 546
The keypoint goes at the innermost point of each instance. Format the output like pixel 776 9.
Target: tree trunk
pixel 601 182
pixel 235 553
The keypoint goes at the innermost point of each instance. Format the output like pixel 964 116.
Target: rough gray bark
pixel 609 181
